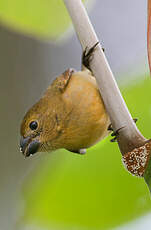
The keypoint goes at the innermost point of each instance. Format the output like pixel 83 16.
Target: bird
pixel 71 114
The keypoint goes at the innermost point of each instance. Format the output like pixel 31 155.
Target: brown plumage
pixel 70 115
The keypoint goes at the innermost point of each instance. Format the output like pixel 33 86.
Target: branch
pixel 131 142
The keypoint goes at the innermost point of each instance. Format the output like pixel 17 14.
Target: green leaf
pixel 42 18
pixel 93 191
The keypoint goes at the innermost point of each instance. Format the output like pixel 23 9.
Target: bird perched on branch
pixel 70 115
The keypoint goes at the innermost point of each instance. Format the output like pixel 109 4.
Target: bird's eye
pixel 33 125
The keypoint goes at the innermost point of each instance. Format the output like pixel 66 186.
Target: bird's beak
pixel 28 146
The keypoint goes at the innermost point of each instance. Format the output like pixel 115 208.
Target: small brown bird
pixel 70 115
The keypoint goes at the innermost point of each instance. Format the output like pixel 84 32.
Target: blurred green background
pixel 63 190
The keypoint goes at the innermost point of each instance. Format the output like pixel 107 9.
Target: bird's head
pixel 40 125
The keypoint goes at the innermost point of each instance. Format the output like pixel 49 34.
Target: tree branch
pixel 134 147
pixel 129 137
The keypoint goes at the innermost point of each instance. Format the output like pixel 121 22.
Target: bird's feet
pixel 87 55
pixel 116 133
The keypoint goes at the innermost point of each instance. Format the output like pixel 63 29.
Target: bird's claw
pixel 87 55
pixel 116 133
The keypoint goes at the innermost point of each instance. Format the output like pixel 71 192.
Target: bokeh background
pixel 62 190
